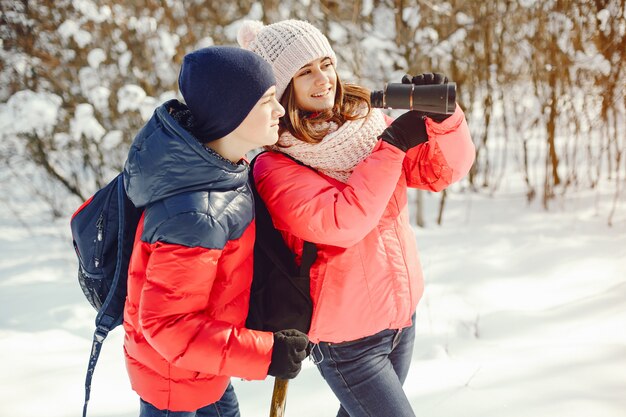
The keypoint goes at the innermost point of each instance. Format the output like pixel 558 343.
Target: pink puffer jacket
pixel 367 276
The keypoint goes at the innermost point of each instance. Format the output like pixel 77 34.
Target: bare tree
pixel 539 81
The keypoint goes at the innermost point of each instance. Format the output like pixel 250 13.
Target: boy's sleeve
pixel 174 320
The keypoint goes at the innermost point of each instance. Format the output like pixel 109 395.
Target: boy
pixel 191 268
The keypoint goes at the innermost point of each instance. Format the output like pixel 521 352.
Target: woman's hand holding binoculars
pixel 428 78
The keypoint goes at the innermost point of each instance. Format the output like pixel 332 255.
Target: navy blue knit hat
pixel 220 85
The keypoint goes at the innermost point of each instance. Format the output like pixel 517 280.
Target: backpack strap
pixel 309 254
pixel 98 338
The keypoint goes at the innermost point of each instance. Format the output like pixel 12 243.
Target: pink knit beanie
pixel 287 45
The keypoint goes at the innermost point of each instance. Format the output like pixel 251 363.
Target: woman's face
pixel 260 127
pixel 315 85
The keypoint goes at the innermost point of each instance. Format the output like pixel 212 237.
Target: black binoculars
pixel 432 98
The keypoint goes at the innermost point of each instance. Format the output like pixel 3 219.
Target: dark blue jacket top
pixel 192 197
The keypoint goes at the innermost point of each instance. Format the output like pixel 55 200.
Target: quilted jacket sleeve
pixel 173 316
pixel 445 158
pixel 306 204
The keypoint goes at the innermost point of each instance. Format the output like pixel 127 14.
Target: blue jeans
pixel 367 374
pixel 227 406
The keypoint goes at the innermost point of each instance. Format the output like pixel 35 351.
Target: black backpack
pixel 280 293
pixel 103 232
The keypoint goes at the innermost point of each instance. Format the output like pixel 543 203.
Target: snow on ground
pixel 524 315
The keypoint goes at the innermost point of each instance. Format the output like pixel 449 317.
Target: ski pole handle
pixel 279 398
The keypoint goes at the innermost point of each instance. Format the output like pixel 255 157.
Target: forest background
pixel 542 82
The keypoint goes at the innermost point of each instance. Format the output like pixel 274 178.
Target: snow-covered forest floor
pixel 523 315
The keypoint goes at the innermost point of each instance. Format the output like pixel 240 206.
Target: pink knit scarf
pixel 341 150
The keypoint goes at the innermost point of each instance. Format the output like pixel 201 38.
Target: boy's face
pixel 315 85
pixel 260 127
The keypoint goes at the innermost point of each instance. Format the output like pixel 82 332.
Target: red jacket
pixel 190 271
pixel 367 276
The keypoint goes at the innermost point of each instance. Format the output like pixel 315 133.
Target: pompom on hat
pixel 287 45
pixel 220 85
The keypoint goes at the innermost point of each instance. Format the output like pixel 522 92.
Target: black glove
pixel 407 131
pixel 288 353
pixel 428 79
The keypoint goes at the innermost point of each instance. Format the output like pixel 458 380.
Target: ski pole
pixel 279 398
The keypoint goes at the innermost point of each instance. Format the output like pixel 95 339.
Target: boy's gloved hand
pixel 428 78
pixel 288 353
pixel 407 131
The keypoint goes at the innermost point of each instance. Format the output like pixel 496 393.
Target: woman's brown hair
pixel 349 98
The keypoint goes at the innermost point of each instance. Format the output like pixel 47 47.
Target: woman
pixel 190 271
pixel 338 177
